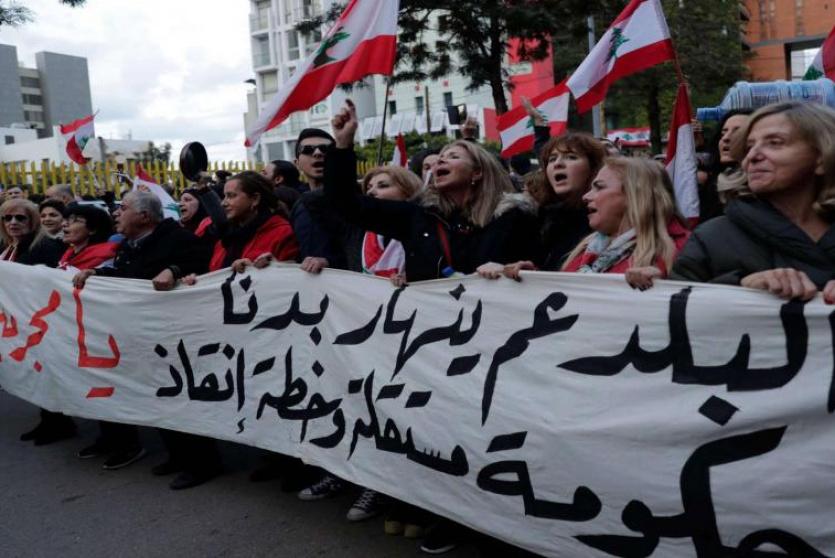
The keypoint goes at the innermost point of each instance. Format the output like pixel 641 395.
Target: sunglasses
pixel 18 218
pixel 311 149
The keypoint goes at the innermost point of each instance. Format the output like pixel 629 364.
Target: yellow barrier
pixel 100 177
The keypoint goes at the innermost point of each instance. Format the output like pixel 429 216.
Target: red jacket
pixel 90 257
pixel 275 236
pixel 676 230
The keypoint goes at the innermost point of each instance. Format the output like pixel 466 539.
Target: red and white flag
pixel 363 41
pixel 824 63
pixel 636 40
pixel 77 133
pixel 400 157
pixel 516 127
pixel 144 182
pixel 681 157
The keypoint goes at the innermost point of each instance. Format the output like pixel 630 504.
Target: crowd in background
pixel 767 197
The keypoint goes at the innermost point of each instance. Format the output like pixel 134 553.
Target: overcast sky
pixel 162 70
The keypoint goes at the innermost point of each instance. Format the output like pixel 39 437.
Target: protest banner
pixel 568 414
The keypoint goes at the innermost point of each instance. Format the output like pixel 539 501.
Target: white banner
pixel 567 414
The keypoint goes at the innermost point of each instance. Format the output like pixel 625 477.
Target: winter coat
pixel 511 235
pixel 562 227
pixel 322 232
pixel 274 236
pixel 47 252
pixel 753 236
pixel 169 246
pixel 675 229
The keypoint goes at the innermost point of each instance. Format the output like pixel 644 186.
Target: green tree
pixel 472 37
pixel 14 14
pixel 706 35
pixel 154 153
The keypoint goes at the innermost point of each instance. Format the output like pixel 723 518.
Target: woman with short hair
pixel 52 217
pixel 778 234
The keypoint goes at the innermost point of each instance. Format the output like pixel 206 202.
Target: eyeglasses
pixel 18 218
pixel 311 149
pixel 76 219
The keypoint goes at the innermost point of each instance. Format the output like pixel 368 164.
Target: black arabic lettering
pixel 736 373
pixel 295 315
pixel 229 315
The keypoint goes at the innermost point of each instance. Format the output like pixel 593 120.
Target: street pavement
pixel 54 504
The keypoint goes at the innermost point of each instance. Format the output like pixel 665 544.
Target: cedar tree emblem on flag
pixel 617 40
pixel 322 57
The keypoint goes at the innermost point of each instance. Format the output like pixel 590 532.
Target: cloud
pixel 162 70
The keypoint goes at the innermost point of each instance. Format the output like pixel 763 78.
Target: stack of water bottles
pixel 754 95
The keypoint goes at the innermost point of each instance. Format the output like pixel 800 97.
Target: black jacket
pixel 753 236
pixel 323 233
pixel 168 246
pixel 512 235
pixel 47 252
pixel 561 227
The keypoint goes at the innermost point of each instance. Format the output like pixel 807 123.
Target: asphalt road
pixel 54 504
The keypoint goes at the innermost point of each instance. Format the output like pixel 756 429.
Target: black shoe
pixel 97 449
pixel 55 434
pixel 124 458
pixel 32 434
pixel 444 537
pixel 166 468
pixel 189 479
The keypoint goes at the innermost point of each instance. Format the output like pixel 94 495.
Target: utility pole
pixel 426 108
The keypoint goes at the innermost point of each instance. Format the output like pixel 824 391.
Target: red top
pixel 675 229
pixel 275 236
pixel 90 257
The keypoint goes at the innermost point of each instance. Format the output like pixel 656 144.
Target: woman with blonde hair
pixel 778 234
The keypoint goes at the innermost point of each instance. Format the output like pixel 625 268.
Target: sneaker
pixel 166 468
pixel 124 458
pixel 189 479
pixel 325 488
pixel 444 537
pixel 366 506
pixel 97 449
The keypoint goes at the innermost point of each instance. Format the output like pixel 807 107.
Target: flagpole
pixel 383 130
pixel 595 111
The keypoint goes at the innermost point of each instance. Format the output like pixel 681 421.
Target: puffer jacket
pixel 753 236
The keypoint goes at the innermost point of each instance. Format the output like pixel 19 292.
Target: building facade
pixel 783 36
pixel 56 91
pixel 278 50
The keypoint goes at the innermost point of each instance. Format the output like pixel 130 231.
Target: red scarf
pixel 90 257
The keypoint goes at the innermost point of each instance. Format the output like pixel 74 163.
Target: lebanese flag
pixel 363 41
pixel 681 157
pixel 516 127
pixel 400 157
pixel 636 40
pixel 77 133
pixel 144 182
pixel 824 63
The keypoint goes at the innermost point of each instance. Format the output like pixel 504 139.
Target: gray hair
pixel 63 190
pixel 146 202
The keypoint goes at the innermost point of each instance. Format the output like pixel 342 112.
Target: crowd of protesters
pixel 767 195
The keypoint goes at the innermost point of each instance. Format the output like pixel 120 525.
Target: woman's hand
pixel 164 281
pixel 398 280
pixel 239 266
pixel 490 270
pixel 641 277
pixel 784 282
pixel 263 260
pixel 80 278
pixel 829 292
pixel 314 265
pixel 536 116
pixel 189 280
pixel 345 125
pixel 512 271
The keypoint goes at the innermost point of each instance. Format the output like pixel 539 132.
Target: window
pixel 448 99
pixel 419 105
pixel 293 45
pixel 392 107
pixel 30 82
pixel 32 99
pixel 261 52
pixel 269 83
pixel 9 140
pixel 32 116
